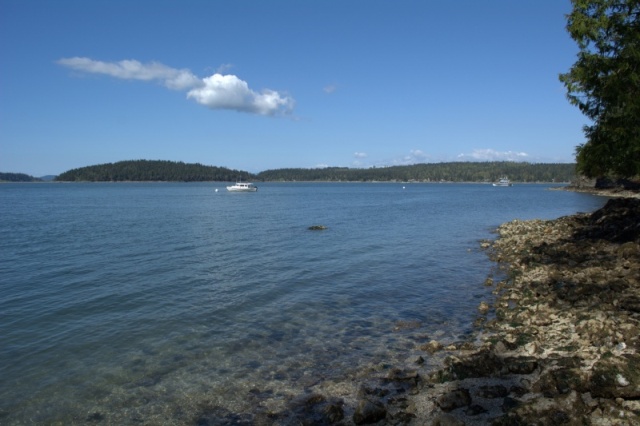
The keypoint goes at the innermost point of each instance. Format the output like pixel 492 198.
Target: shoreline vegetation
pixel 558 344
pixel 172 171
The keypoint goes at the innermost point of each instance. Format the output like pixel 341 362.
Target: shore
pixel 558 344
pixel 610 193
pixel 564 345
pixel 558 341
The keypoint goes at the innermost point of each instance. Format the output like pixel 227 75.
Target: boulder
pixel 316 409
pixel 454 399
pixel 432 347
pixel 616 377
pixel 368 411
pixel 447 420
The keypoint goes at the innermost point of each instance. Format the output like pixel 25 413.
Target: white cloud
pixel 224 68
pixel 134 70
pixel 330 88
pixel 229 92
pixel 415 156
pixel 492 155
pixel 216 92
pixel 418 154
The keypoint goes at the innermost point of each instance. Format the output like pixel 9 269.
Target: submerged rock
pixel 316 409
pixel 369 412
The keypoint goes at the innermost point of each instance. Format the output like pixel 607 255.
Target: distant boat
pixel 503 182
pixel 242 187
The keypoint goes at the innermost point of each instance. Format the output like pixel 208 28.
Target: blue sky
pixel 257 85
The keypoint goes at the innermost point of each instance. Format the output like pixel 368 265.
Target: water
pixel 155 302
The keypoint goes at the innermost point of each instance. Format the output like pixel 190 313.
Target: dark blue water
pixel 151 302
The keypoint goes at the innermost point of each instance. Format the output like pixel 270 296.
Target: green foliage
pixel 17 177
pixel 432 172
pixel 146 170
pixel 604 83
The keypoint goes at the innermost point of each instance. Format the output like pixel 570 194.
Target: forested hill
pixel 17 177
pixel 148 170
pixel 433 172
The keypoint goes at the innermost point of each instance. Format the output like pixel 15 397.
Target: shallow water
pixel 153 302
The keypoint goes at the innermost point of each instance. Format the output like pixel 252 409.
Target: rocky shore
pixel 559 344
pixel 564 345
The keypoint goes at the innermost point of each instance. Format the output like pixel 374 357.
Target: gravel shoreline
pixel 559 343
pixel 564 346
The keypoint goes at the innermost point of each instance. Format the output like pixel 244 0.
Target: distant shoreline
pixel 609 192
pixel 297 181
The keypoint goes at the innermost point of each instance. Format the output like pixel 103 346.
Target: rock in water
pixel 369 412
pixel 454 399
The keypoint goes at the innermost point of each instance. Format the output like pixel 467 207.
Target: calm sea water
pixel 153 302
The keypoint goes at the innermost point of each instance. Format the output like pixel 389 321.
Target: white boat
pixel 503 182
pixel 242 187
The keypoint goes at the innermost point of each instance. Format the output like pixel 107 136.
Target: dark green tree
pixel 604 83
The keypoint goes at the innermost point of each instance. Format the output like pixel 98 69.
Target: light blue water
pixel 153 302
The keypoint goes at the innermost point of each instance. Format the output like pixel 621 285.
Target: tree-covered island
pixel 170 171
pixel 152 171
pixel 432 172
pixel 18 177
